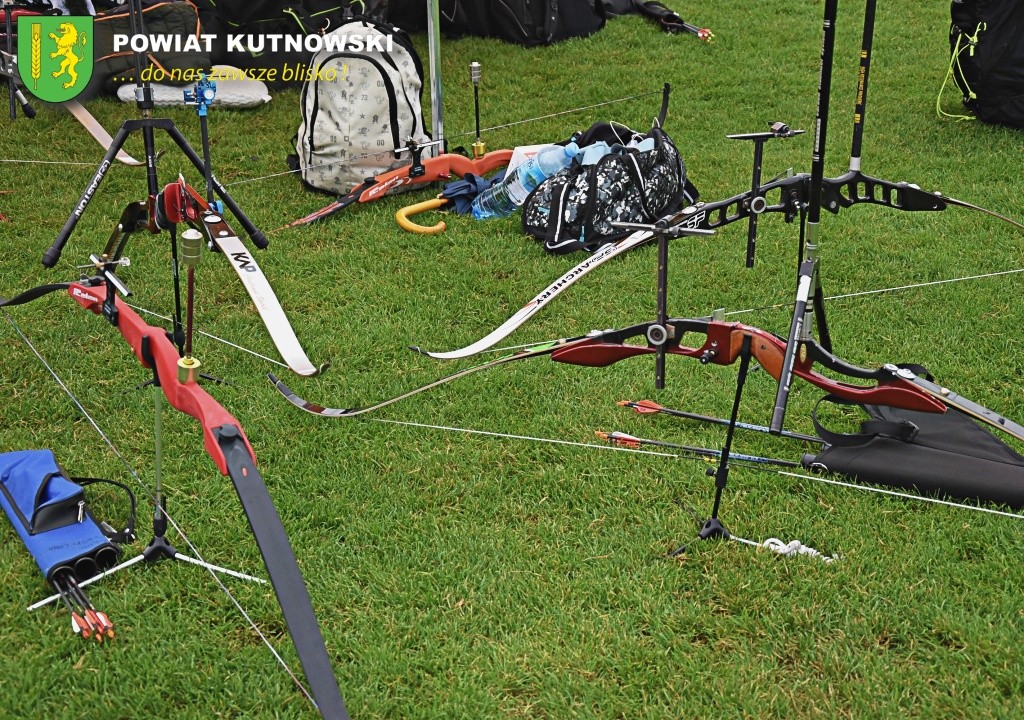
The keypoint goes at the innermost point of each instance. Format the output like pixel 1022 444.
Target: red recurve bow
pixel 227 445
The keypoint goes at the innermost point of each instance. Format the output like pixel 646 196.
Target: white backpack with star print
pixel 360 102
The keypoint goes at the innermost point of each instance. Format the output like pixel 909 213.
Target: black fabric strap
pixel 555 241
pixel 903 430
pixel 128 534
pixel 951 456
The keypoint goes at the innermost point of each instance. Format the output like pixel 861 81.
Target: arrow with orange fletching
pixel 631 441
pixel 649 407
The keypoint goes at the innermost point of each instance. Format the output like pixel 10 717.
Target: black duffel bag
pixel 986 42
pixel 524 22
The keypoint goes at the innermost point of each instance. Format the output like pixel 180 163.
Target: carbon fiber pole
pixel 799 329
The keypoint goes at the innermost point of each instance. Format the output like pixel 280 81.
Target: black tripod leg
pixel 149 142
pixel 713 527
pixel 255 234
pixel 52 255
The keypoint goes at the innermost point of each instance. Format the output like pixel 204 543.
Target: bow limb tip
pixel 306 368
pixel 309 407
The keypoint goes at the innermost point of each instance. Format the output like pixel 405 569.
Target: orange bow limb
pixel 436 169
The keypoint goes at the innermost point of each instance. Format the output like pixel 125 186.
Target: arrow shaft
pixel 627 440
pixel 646 406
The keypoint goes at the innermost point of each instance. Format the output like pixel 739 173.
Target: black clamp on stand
pixel 147 125
pixel 417 168
pixel 105 267
pixel 660 333
pixel 757 203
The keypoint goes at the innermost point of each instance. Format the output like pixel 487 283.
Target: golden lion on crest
pixel 66 42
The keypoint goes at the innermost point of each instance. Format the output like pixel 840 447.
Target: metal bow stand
pixel 832 194
pixel 147 124
pixel 809 295
pixel 661 333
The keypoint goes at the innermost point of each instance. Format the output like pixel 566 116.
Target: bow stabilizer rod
pixel 809 277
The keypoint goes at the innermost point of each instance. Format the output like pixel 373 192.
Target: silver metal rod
pixel 434 54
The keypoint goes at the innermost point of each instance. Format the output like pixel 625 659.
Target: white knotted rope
pixel 793 547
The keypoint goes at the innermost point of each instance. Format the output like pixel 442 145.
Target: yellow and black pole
pixel 191 247
pixel 479 148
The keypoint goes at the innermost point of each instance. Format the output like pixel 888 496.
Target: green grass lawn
pixel 460 575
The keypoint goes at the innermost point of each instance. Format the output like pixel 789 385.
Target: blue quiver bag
pixel 49 512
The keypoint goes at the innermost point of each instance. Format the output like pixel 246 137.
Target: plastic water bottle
pixel 502 199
